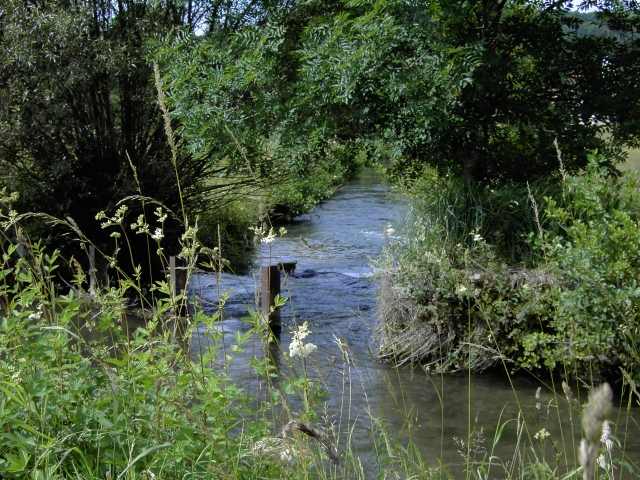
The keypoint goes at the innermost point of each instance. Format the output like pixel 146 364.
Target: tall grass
pixel 455 298
pixel 95 386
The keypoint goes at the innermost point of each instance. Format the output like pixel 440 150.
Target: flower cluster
pixel 476 237
pixel 117 218
pixel 297 347
pixel 140 226
pixel 6 200
pixel 542 434
pixel 265 235
pixel 604 460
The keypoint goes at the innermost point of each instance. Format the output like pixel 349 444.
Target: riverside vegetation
pixel 154 129
pixel 94 386
pixel 557 290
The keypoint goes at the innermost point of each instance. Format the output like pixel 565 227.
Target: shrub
pixel 592 245
pixel 457 279
pixel 549 286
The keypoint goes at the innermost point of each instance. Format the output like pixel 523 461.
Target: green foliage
pixel 446 207
pixel 572 307
pixel 93 387
pixel 86 394
pixel 87 390
pixel 596 320
pixel 479 88
pixel 229 226
pixel 253 116
pixel 80 127
pixel 458 281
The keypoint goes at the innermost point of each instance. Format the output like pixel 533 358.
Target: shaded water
pixel 334 290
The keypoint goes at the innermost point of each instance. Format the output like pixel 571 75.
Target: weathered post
pixel 177 281
pixel 287 267
pixel 269 289
pixel 93 281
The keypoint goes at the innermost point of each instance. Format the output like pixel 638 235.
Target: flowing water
pixel 334 289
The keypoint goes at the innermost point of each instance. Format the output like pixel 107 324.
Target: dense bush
pixel 86 394
pixel 570 303
pixel 591 246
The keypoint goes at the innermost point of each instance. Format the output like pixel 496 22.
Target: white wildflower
pixel 120 213
pixel 602 462
pixel 264 235
pixel 37 315
pixel 160 215
pixel 269 237
pixel 140 226
pixel 297 347
pixel 605 438
pixel 158 234
pixel 112 221
pixel 461 290
pixel 541 434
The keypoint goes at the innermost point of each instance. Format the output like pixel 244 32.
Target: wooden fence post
pixel 177 280
pixel 269 289
pixel 93 281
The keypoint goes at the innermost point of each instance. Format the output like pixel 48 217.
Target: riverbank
pixel 229 226
pixel 540 277
pixel 142 406
pixel 334 289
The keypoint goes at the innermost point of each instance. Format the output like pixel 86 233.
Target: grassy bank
pixel 540 277
pixel 93 387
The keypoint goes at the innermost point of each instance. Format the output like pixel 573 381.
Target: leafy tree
pixel 481 87
pixel 79 110
pixel 80 126
pixel 240 102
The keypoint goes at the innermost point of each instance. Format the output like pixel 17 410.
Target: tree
pixel 80 127
pixel 241 103
pixel 483 88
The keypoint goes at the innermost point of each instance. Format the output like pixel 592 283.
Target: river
pixel 334 289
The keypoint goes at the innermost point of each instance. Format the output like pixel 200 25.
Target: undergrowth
pixel 540 277
pixel 96 385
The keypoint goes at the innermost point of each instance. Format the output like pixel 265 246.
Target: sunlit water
pixel 334 289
